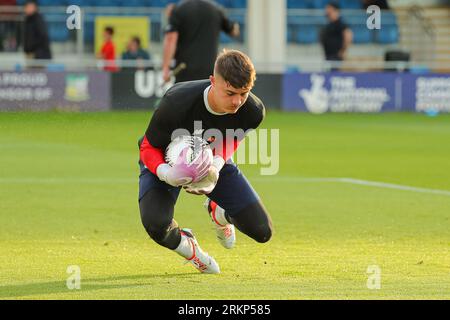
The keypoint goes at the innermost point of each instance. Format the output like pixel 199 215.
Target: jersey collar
pixel 208 107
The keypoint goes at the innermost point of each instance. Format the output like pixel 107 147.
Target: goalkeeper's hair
pixel 236 68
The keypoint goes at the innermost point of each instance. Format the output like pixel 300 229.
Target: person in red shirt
pixel 108 51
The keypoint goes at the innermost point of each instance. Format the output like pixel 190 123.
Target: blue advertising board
pixel 365 92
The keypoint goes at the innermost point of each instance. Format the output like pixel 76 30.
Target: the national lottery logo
pixel 343 96
pixel 316 98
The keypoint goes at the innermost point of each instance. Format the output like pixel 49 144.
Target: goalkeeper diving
pixel 224 101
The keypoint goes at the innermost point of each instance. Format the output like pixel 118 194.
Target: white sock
pixel 220 216
pixel 184 249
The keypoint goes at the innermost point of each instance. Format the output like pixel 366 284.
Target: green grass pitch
pixel 68 196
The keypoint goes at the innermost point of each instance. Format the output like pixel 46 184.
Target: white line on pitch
pixel 267 179
pixel 356 182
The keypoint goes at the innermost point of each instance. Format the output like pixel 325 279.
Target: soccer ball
pixel 191 154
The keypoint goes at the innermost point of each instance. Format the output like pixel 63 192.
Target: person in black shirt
pixel 336 37
pixel 135 52
pixel 36 40
pixel 192 38
pixel 219 104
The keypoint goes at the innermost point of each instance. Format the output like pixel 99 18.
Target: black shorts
pixel 233 192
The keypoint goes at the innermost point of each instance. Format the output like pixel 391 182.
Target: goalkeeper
pixel 222 102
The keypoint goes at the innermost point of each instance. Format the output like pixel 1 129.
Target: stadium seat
pixel 88 28
pixel 225 39
pixel 319 4
pixel 105 3
pixel 388 17
pixel 52 2
pixel 134 3
pixel 297 4
pixel 239 4
pixel 361 34
pixel 160 3
pixel 297 25
pixel 225 3
pixel 308 20
pixel 81 3
pixel 58 32
pixel 156 31
pixel 388 34
pixel 350 4
pixel 355 18
pixel 307 34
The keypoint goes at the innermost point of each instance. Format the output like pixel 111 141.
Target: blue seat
pixel 239 18
pixel 388 34
pixel 105 3
pixel 88 27
pixel 224 38
pixel 298 4
pixel 307 34
pixel 388 17
pixel 350 4
pixel 319 4
pixel 239 4
pixel 308 20
pixel 80 3
pixel 52 2
pixel 225 3
pixel 361 34
pixel 355 18
pixel 134 3
pixel 294 19
pixel 55 18
pixel 58 33
pixel 159 3
pixel 156 32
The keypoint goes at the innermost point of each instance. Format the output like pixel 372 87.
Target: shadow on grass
pixel 40 288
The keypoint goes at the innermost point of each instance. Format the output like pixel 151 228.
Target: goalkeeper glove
pixel 207 184
pixel 175 176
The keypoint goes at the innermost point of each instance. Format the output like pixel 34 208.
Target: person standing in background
pixel 108 51
pixel 135 52
pixel 9 27
pixel 336 37
pixel 192 37
pixel 36 40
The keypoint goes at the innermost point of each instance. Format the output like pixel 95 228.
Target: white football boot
pixel 225 231
pixel 193 254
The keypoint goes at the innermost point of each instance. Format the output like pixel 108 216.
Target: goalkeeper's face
pixel 226 98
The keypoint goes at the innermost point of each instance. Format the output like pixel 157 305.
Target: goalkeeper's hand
pixel 175 176
pixel 207 184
